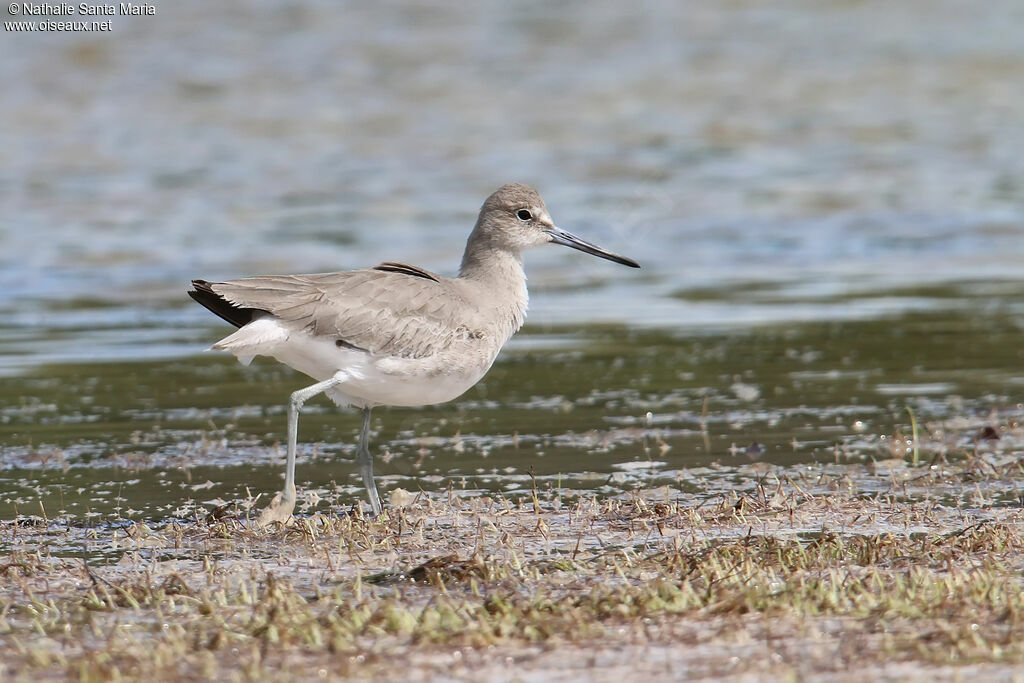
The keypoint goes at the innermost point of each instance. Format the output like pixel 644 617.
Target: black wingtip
pixel 213 302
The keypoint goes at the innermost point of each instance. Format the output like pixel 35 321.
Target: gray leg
pixel 365 461
pixel 281 507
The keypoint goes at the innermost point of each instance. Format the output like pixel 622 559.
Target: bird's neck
pixel 483 260
pixel 497 275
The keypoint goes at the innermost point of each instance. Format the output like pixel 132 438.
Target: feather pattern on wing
pixel 391 311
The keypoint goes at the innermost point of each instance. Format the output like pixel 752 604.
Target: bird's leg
pixel 281 507
pixel 365 461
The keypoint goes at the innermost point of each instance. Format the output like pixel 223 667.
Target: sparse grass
pixel 486 588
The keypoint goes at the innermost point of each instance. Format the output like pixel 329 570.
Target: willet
pixel 393 334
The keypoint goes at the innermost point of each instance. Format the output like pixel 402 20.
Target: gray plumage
pixel 394 334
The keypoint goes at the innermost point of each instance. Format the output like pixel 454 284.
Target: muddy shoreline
pixel 789 577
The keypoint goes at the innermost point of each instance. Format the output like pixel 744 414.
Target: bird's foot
pixel 280 509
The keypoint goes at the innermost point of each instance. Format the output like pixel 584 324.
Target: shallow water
pixel 615 410
pixel 826 201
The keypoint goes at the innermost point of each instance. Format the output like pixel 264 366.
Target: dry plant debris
pixel 780 583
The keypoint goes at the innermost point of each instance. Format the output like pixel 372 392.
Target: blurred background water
pixel 811 188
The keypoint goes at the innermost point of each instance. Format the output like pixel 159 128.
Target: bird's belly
pixel 383 380
pixel 378 385
pixel 365 379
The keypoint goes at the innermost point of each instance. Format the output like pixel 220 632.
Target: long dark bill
pixel 567 239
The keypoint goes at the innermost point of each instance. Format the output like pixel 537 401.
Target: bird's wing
pixel 393 309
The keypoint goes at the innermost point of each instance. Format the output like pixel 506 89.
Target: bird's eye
pixel 524 215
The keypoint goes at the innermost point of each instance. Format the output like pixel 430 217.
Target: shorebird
pixel 394 334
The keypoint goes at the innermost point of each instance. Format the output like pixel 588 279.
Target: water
pixel 826 201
